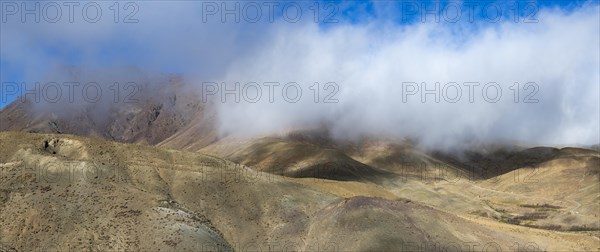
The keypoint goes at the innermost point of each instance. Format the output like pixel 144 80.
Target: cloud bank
pixel 506 82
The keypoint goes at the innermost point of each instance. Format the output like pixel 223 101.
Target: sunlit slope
pixel 561 193
pixel 293 158
pixel 62 191
pixel 541 187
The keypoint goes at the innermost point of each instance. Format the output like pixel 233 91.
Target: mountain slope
pixel 293 158
pixel 63 191
pixel 155 111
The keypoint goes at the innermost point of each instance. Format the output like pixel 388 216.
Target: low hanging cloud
pixel 444 85
pixel 519 83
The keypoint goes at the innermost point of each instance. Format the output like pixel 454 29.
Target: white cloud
pixel 368 61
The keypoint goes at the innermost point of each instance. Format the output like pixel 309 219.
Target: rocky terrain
pixel 155 175
pixel 68 192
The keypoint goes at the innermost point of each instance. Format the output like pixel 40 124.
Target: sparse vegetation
pixel 531 216
pixel 547 227
pixel 583 228
pixel 542 207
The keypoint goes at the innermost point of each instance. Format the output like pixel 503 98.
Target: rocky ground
pixel 60 192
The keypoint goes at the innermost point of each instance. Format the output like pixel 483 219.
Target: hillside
pixel 179 185
pixel 63 191
pixel 155 111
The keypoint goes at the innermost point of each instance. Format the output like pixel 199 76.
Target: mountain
pixel 155 113
pixel 63 192
pixel 156 174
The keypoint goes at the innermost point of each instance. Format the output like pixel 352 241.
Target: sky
pixel 373 62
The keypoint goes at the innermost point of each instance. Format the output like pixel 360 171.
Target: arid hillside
pixel 156 174
pixel 68 192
